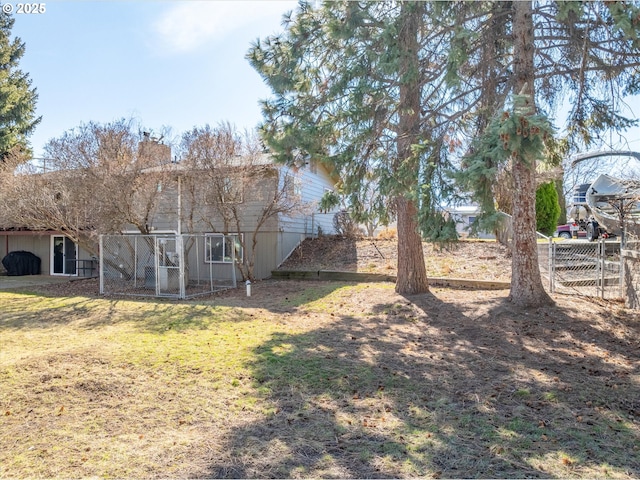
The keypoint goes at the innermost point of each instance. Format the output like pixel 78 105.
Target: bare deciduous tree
pixel 233 187
pixel 98 179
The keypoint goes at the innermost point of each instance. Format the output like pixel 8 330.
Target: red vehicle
pixel 566 231
pixel 589 230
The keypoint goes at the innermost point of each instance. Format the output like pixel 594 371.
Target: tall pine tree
pixel 359 86
pixel 17 96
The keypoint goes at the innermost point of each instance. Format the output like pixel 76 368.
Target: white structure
pixel 464 216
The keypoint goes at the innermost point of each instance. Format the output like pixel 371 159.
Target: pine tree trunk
pixel 412 273
pixel 526 283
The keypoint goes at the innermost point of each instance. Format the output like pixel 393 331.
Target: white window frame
pixel 225 258
pixel 65 239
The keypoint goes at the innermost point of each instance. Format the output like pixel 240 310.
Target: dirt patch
pixel 480 260
pixel 447 384
pixel 88 287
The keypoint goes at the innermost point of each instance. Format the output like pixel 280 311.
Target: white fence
pixel 175 266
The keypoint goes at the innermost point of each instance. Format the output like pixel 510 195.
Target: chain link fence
pixel 584 268
pixel 175 266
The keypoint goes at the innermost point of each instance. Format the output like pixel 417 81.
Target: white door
pixel 64 254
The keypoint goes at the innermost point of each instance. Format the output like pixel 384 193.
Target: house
pixel 233 201
pixel 238 196
pixel 464 216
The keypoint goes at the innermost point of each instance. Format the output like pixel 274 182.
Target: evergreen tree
pixel 17 96
pixel 547 208
pixel 359 86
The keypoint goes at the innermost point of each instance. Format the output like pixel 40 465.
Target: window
pixel 219 248
pixel 292 186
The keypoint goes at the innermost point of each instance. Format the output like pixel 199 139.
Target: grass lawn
pixel 312 379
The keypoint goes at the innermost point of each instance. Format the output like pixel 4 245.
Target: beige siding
pixel 199 217
pixel 271 249
pixel 266 258
pixel 36 244
pixel 199 269
pixel 39 245
pixel 277 237
pixel 312 186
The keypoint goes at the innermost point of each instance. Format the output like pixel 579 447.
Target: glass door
pixel 64 256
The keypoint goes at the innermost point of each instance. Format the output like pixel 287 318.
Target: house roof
pixel 463 209
pixel 237 161
pixel 262 160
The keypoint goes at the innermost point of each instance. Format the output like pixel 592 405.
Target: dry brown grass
pixel 464 259
pixel 317 379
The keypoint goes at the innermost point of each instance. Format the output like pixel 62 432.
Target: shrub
pixel 547 208
pixel 388 234
pixel 344 225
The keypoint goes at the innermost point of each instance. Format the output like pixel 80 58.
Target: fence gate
pixel 584 268
pixel 176 266
pixel 168 267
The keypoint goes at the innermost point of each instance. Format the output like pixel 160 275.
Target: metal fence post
pixel 603 270
pixel 135 262
pixel 233 262
pixel 156 264
pixel 100 253
pixel 623 267
pixel 551 264
pixel 620 273
pixel 180 250
pixel 599 289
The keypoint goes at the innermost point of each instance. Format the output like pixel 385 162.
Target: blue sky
pixel 163 63
pixel 168 63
